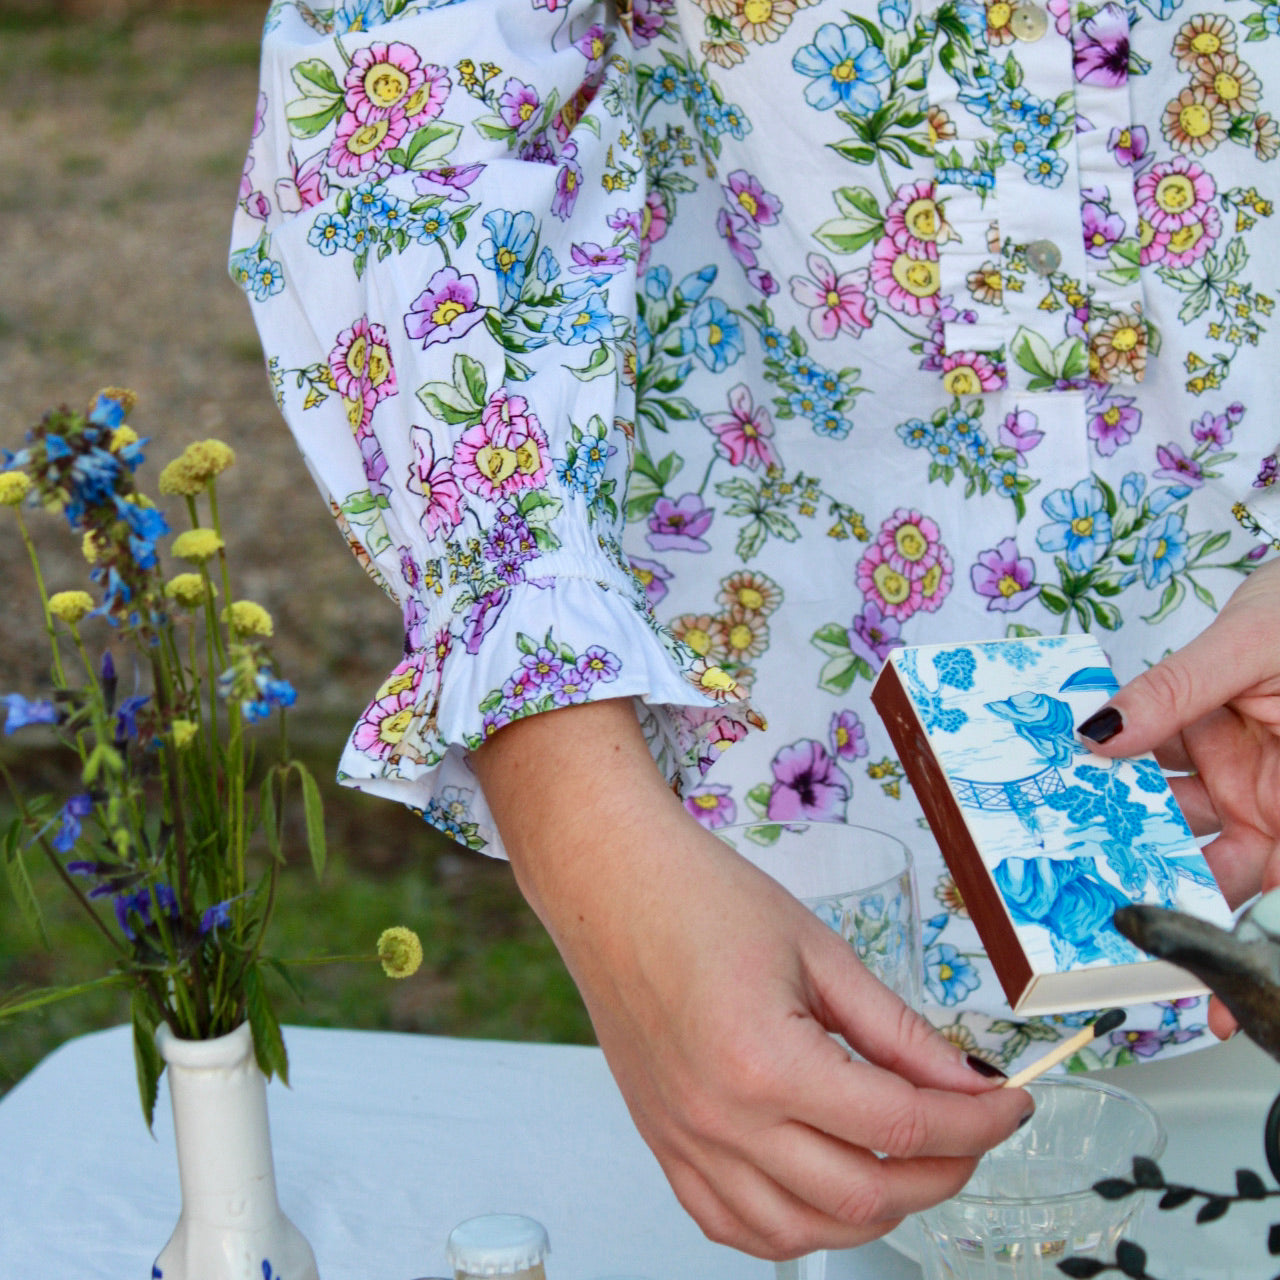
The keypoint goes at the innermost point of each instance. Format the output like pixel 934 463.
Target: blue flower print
pixel 1044 119
pixel 1020 145
pixel 430 225
pixel 668 83
pixel 589 320
pixel 1081 526
pixel 948 975
pixel 915 433
pixel 844 68
pixel 507 253
pixel 1045 168
pixel 955 667
pixel 894 14
pixel 266 279
pixel 657 281
pixel 391 214
pixel 328 233
pixel 358 15
pixel 548 269
pixel 1132 487
pixel 1164 549
pixel 368 199
pixel 714 335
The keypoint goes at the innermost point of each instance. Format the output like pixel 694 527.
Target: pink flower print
pixel 1174 194
pixel 361 362
pixel 1019 431
pixel 1129 146
pixel 1175 465
pixel 1213 430
pixel 837 303
pixel 967 373
pixel 907 278
pixel 914 218
pixel 747 196
pixel 307 186
pixel 506 451
pixel 1005 579
pixel 745 432
pixel 893 592
pixel 909 541
pixel 848 737
pixel 259 114
pixel 807 784
pixel 679 525
pixel 427 102
pixel 434 482
pixel 256 205
pixel 648 224
pixel 935 586
pixel 1102 228
pixel 593 44
pixel 1061 11
pixel 591 258
pixel 1191 242
pixel 445 309
pixel 1113 422
pixel 519 688
pixel 568 180
pixel 518 104
pixel 449 181
pixel 762 281
pixel 385 720
pixel 653 577
pixel 380 78
pixel 362 139
pixel 873 634
pixel 736 232
pixel 712 805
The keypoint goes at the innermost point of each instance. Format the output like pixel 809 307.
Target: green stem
pixel 59 677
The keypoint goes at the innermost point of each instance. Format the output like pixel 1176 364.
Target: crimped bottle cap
pixel 497 1244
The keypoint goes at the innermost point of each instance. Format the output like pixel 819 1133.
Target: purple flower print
pixel 653 577
pixel 1235 412
pixel 679 525
pixel 518 689
pixel 518 103
pixel 807 785
pixel 1005 579
pixel 445 309
pixel 1102 48
pixel 1113 421
pixel 1018 431
pixel 543 667
pixel 1129 146
pixel 736 232
pixel 1213 430
pixel 415 618
pixel 713 806
pixel 1146 1044
pixel 1175 465
pixel 746 195
pixel 593 44
pixel 596 665
pixel 1267 473
pixel 450 181
pixel 591 258
pixel 848 737
pixel 1102 228
pixel 482 616
pixel 873 634
pixel 763 281
pixel 568 180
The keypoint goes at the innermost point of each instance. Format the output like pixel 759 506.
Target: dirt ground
pixel 122 135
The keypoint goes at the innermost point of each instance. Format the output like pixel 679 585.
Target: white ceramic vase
pixel 231 1227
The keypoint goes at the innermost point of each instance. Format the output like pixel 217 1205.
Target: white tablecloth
pixel 382 1144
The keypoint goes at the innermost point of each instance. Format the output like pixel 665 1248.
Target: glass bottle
pixel 499 1244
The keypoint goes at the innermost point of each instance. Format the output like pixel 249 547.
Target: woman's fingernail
pixel 1102 726
pixel 1026 1120
pixel 985 1068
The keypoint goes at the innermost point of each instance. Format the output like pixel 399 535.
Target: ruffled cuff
pixel 1260 512
pixel 546 643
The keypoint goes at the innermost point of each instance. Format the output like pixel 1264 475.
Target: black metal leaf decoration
pixel 1176 1197
pixel 1273 1239
pixel 1114 1188
pixel 1213 1209
pixel 1146 1174
pixel 1249 1186
pixel 1082 1268
pixel 1131 1259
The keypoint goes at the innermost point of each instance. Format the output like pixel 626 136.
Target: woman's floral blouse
pixel 701 352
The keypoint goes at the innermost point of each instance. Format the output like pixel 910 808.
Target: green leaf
pixel 271 816
pixel 268 1043
pixel 432 143
pixel 858 152
pixel 309 115
pixel 839 673
pixel 468 377
pixel 1172 598
pixel 147 1061
pixel 317 73
pixel 602 362
pixel 313 812
pixel 831 638
pixel 852 201
pixel 751 537
pixel 1033 353
pixel 1106 615
pixel 847 235
pixel 758 798
pixel 444 401
pixel 20 885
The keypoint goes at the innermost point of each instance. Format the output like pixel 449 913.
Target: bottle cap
pixel 497 1244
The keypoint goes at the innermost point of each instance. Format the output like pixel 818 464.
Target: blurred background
pixel 123 128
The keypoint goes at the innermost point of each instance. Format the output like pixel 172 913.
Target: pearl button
pixel 1028 22
pixel 1044 257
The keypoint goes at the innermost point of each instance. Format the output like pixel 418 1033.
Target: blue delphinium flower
pixel 137 906
pixel 127 717
pixel 21 712
pixel 76 809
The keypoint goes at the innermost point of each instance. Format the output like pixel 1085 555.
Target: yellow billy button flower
pixel 70 606
pixel 400 951
pixel 189 473
pixel 14 486
pixel 197 545
pixel 183 732
pixel 249 619
pixel 91 547
pixel 187 589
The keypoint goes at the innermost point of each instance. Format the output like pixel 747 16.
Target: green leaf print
pixel 317 73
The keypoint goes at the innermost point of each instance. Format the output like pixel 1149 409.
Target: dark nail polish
pixel 1102 726
pixel 1026 1120
pixel 984 1068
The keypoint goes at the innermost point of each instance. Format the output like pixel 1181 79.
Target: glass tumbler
pixel 1030 1204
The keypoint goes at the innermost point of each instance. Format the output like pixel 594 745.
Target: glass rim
pixel 1144 1108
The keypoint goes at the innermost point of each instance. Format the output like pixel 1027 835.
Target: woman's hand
pixel 1212 711
pixel 714 992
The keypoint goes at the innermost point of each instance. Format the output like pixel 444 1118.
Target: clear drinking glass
pixel 858 880
pixel 1031 1204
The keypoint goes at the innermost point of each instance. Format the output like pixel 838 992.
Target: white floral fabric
pixel 701 352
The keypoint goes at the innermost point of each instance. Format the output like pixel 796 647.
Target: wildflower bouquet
pixel 155 844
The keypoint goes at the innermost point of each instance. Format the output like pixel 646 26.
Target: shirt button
pixel 1028 22
pixel 1044 257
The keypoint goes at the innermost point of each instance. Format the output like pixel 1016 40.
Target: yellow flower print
pixel 1231 81
pixel 750 592
pixel 1195 122
pixel 1204 36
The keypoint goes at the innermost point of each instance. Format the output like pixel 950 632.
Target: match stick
pixel 1109 1021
